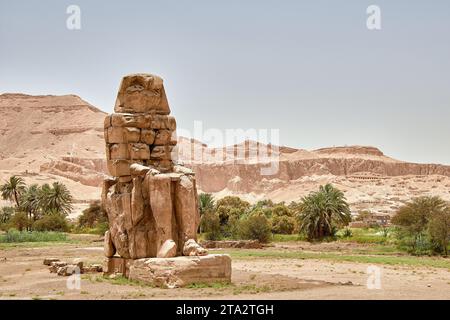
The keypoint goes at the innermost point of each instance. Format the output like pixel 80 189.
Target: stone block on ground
pixel 48 261
pixel 54 266
pixel 93 268
pixel 181 271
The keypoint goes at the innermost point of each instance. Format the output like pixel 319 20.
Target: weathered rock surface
pixel 192 248
pixel 77 266
pixel 48 261
pixel 167 250
pixel 173 272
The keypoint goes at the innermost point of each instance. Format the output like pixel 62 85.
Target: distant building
pixel 372 219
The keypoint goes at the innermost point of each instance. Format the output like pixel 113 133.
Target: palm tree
pixel 205 203
pixel 56 197
pixel 13 189
pixel 31 201
pixel 323 211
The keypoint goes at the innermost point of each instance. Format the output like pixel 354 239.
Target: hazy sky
pixel 309 68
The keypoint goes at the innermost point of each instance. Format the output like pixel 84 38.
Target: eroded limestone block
pixel 138 151
pixel 141 121
pixel 48 261
pixel 163 122
pixel 148 136
pixel 142 93
pixel 163 137
pixel 161 152
pixel 118 151
pixel 181 271
pixel 123 134
pixel 56 265
pixel 118 168
pixel 139 170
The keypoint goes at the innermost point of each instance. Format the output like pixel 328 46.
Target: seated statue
pixel 150 200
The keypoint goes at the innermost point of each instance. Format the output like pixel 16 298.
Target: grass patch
pixel 365 236
pixel 250 288
pixel 435 262
pixel 214 285
pixel 119 280
pixel 14 236
pixel 287 237
pixel 17 245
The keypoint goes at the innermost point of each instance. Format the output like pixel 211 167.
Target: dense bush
pixel 51 222
pixel 231 207
pixel 93 215
pixel 424 225
pixel 93 220
pixel 6 214
pixel 20 221
pixel 210 225
pixel 255 227
pixel 283 224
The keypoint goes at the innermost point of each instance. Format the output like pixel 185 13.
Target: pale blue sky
pixel 309 68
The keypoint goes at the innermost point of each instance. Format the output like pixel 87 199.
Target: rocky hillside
pixel 49 138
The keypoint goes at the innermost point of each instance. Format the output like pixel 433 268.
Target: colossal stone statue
pixel 151 201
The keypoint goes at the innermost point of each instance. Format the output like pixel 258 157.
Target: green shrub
pixel 19 221
pixel 231 207
pixel 210 224
pixel 283 224
pixel 255 227
pixel 347 233
pixel 6 214
pixel 51 222
pixel 14 235
pixel 92 215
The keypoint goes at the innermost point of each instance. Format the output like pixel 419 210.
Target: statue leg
pixel 161 204
pixel 187 214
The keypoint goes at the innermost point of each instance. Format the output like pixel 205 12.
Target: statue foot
pixel 167 250
pixel 192 248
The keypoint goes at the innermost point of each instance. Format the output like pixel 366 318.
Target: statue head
pixel 140 93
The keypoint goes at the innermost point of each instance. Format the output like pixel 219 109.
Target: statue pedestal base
pixel 172 272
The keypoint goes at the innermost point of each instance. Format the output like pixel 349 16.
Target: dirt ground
pixel 23 276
